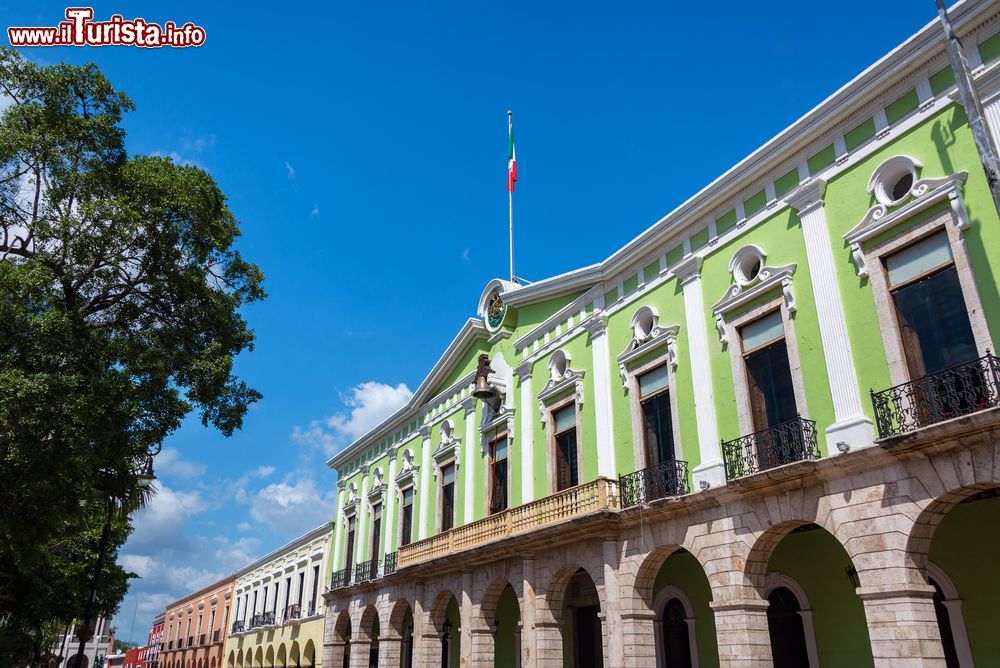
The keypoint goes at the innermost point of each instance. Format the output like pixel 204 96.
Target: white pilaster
pixel 391 504
pixel 598 329
pixel 470 438
pixel 992 112
pixel 527 433
pixel 850 426
pixel 360 547
pixel 339 530
pixel 425 480
pixel 710 469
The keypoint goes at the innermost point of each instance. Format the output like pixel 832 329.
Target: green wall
pixel 509 616
pixel 818 563
pixel 966 546
pixel 683 571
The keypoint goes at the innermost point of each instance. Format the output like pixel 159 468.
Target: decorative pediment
pixel 646 340
pixel 768 278
pixel 924 194
pixel 449 448
pixel 352 498
pixel 378 486
pixel 408 471
pixel 563 380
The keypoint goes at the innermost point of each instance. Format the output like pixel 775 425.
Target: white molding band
pixel 850 425
pixel 602 398
pixel 710 469
pixel 361 545
pixel 339 532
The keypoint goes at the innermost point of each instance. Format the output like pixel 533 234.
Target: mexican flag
pixel 511 160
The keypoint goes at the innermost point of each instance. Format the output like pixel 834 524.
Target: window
pixel 769 376
pixel 567 467
pixel 654 399
pixel 933 318
pixel 302 583
pixel 274 600
pixel 376 530
pixel 447 497
pixel 406 525
pixel 349 553
pixel 498 474
pixel 288 592
pixel 315 592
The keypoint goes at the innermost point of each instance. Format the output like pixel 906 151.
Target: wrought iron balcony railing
pixel 312 609
pixel 256 621
pixel 292 612
pixel 669 478
pixel 784 443
pixel 366 570
pixel 268 619
pixel 238 626
pixel 389 567
pixel 341 578
pixel 959 390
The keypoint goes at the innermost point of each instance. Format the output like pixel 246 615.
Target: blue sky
pixel 363 148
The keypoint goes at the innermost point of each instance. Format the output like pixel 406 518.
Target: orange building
pixel 194 627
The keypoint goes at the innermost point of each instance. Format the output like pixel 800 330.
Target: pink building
pixel 194 627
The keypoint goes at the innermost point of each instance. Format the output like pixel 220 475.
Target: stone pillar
pixel 598 329
pixel 389 652
pixel 639 638
pixel 548 644
pixel 467 623
pixel 902 626
pixel 333 653
pixel 710 469
pixel 611 608
pixel 426 492
pixel 528 602
pixel 421 623
pixel 360 652
pixel 430 652
pixel 742 634
pixel 527 404
pixel 851 426
pixel 470 446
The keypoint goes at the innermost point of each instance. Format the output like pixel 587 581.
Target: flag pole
pixel 510 208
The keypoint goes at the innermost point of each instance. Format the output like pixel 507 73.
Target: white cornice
pixel 579 279
pixel 556 318
pixel 285 549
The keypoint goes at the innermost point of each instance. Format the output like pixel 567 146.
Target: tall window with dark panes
pixel 498 474
pixel 315 591
pixel 376 530
pixel 447 497
pixel 567 466
pixel 288 593
pixel 658 432
pixel 302 585
pixel 772 394
pixel 349 553
pixel 406 525
pixel 935 330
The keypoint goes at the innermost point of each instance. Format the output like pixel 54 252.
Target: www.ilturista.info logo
pixel 81 30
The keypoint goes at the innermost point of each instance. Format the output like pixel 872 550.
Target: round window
pixel 642 323
pixel 746 265
pixel 893 180
pixel 558 365
pixel 902 187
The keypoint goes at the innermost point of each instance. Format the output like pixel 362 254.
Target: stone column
pixel 334 651
pixel 611 608
pixel 902 626
pixel 710 469
pixel 548 643
pixel 598 329
pixel 360 651
pixel 527 403
pixel 851 426
pixel 529 654
pixel 420 625
pixel 425 480
pixel 389 652
pixel 639 638
pixel 742 634
pixel 389 509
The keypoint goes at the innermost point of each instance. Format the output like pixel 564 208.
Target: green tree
pixel 120 298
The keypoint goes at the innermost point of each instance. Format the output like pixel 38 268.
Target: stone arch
pixel 294 654
pixel 369 621
pixel 248 658
pixel 491 597
pixel 269 657
pixel 309 654
pixel 212 662
pixel 763 547
pixel 777 580
pixel 397 617
pixel 922 532
pixel 282 656
pixel 666 594
pixel 258 657
pixel 439 609
pixel 649 568
pixel 555 590
pixel 341 629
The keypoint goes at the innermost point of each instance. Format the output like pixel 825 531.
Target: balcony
pixel 267 619
pixel 238 627
pixel 390 563
pixel 312 609
pixel 190 641
pixel 959 390
pixel 203 639
pixel 366 570
pixel 216 634
pixel 588 498
pixel 292 613
pixel 170 645
pixel 341 578
pixel 256 622
pixel 785 443
pixel 667 479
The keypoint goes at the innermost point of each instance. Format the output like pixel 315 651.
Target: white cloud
pixel 198 144
pixel 140 564
pixel 169 462
pixel 293 506
pixel 178 159
pixel 369 404
pixel 315 211
pixel 163 521
pixel 466 256
pixel 290 170
pixel 243 526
